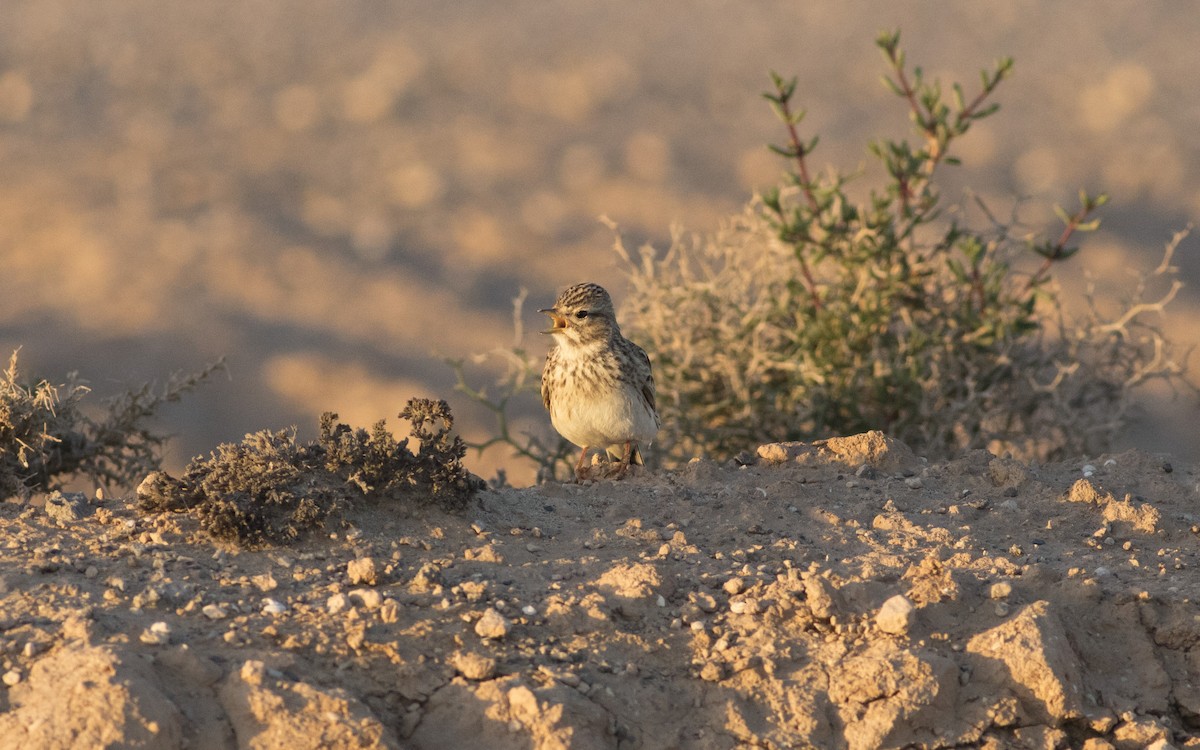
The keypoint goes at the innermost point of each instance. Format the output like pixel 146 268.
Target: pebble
pixel 336 603
pixel 158 634
pixel 11 677
pixel 734 586
pixel 389 611
pixel 895 616
pixel 214 612
pixel 473 666
pixel 66 507
pixel 362 571
pixel 368 598
pixel 914 483
pixel 1000 590
pixel 492 625
pixel 743 607
pixel 273 607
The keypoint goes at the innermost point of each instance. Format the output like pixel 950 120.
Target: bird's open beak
pixel 560 323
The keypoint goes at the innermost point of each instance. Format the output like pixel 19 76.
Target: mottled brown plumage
pixel 597 384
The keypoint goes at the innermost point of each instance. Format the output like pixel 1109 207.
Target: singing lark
pixel 597 384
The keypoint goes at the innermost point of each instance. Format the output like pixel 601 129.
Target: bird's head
pixel 581 315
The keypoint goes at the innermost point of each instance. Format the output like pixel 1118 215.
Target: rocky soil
pixel 844 594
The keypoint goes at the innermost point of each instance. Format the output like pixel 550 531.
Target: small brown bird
pixel 597 384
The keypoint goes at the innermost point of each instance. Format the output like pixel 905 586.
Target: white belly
pixel 608 418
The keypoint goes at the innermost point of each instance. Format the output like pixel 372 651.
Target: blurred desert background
pixel 336 195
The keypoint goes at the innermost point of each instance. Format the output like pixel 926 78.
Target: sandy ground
pixel 836 595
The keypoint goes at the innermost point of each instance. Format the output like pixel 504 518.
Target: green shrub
pixel 821 312
pixel 46 439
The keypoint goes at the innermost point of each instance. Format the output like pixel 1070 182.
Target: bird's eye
pixel 581 314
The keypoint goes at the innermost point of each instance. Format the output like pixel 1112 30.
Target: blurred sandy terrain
pixel 335 194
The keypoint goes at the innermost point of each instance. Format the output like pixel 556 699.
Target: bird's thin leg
pixel 626 457
pixel 579 465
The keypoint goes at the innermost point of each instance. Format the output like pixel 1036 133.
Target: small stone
pixel 11 677
pixel 743 607
pixel 895 616
pixel 91 572
pixel 158 634
pixel 362 571
pixel 389 611
pixel 214 612
pixel 711 672
pixel 473 666
pixel 273 607
pixel 492 625
pixel 336 603
pixel 368 598
pixel 734 586
pixel 913 483
pixel 1000 590
pixel 66 507
pixel 1002 609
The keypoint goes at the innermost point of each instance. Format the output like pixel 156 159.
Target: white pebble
pixel 11 677
pixel 336 603
pixel 273 607
pixel 529 610
pixel 158 634
pixel 895 616
pixel 214 612
pixel 1088 470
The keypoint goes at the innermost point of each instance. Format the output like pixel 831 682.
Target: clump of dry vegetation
pixel 47 438
pixel 271 489
pixel 822 311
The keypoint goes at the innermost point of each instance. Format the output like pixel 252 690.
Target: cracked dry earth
pixel 843 594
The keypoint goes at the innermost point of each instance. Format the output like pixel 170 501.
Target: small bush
pixel 46 439
pixel 270 489
pixel 818 313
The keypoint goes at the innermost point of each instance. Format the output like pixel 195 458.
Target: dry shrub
pixel 271 489
pixel 46 439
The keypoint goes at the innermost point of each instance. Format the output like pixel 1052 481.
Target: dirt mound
pixel 835 595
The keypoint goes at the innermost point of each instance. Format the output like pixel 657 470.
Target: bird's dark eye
pixel 581 314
